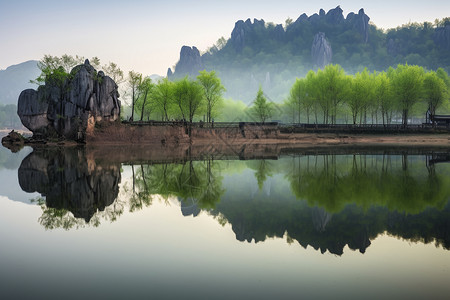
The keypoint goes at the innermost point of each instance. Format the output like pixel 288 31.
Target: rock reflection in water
pixel 70 182
pixel 324 201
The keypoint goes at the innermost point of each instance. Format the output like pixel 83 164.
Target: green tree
pixel 188 96
pixel 383 95
pixel 297 97
pixel 134 82
pixel 361 90
pixel 212 90
pixel 145 89
pixel 261 109
pixel 162 95
pixel 435 91
pixel 407 84
pixel 112 70
pixel 334 84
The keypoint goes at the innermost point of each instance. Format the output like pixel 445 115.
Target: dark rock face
pixel 68 108
pixel 335 16
pixel 13 141
pixel 360 22
pixel 442 37
pixel 32 111
pixel 69 181
pixel 190 61
pixel 278 33
pixel 321 52
pixel 243 29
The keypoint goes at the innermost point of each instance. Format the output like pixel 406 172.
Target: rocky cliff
pixel 68 105
pixel 259 35
pixel 189 64
pixel 321 52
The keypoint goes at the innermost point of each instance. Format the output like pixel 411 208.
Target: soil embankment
pixel 178 134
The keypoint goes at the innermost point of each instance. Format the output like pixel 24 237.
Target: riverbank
pixel 179 137
pixel 173 135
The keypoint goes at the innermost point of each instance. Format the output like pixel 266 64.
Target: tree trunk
pixel 132 106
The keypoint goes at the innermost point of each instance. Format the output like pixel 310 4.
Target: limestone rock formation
pixel 169 72
pixel 243 29
pixel 13 141
pixel 69 107
pixel 32 111
pixel 360 22
pixel 442 37
pixel 321 52
pixel 190 62
pixel 335 16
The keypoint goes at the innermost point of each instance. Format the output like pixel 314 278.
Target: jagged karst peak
pixel 335 16
pixel 189 64
pixel 169 72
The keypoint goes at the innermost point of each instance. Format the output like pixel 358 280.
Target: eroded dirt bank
pixel 175 135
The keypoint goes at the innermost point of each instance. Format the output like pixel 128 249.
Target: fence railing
pixel 300 127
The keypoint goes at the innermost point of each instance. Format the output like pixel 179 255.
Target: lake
pixel 336 222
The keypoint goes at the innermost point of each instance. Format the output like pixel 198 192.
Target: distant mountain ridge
pixel 16 78
pixel 273 55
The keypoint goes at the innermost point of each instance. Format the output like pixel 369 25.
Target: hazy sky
pixel 147 36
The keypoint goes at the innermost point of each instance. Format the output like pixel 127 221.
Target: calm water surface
pixel 302 224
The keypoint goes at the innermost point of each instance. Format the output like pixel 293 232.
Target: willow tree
pixel 163 97
pixel 407 85
pixel 212 91
pixel 383 95
pixel 360 95
pixel 434 91
pixel 188 96
pixel 331 85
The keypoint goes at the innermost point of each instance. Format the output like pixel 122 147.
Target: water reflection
pixel 69 183
pixel 322 200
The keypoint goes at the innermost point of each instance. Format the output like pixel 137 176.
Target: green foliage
pixel 188 97
pixel 134 81
pixel 232 111
pixel 407 84
pixel 287 55
pixel 58 68
pixel 212 91
pixel 333 94
pixel 163 98
pixel 434 91
pixel 261 109
pixel 360 96
pixel 143 105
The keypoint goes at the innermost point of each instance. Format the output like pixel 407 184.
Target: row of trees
pixel 366 96
pixel 60 67
pixel 326 96
pixel 183 99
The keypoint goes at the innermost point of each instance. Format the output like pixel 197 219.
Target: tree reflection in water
pixel 325 201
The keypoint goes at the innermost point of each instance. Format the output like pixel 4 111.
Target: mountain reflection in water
pixel 316 198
